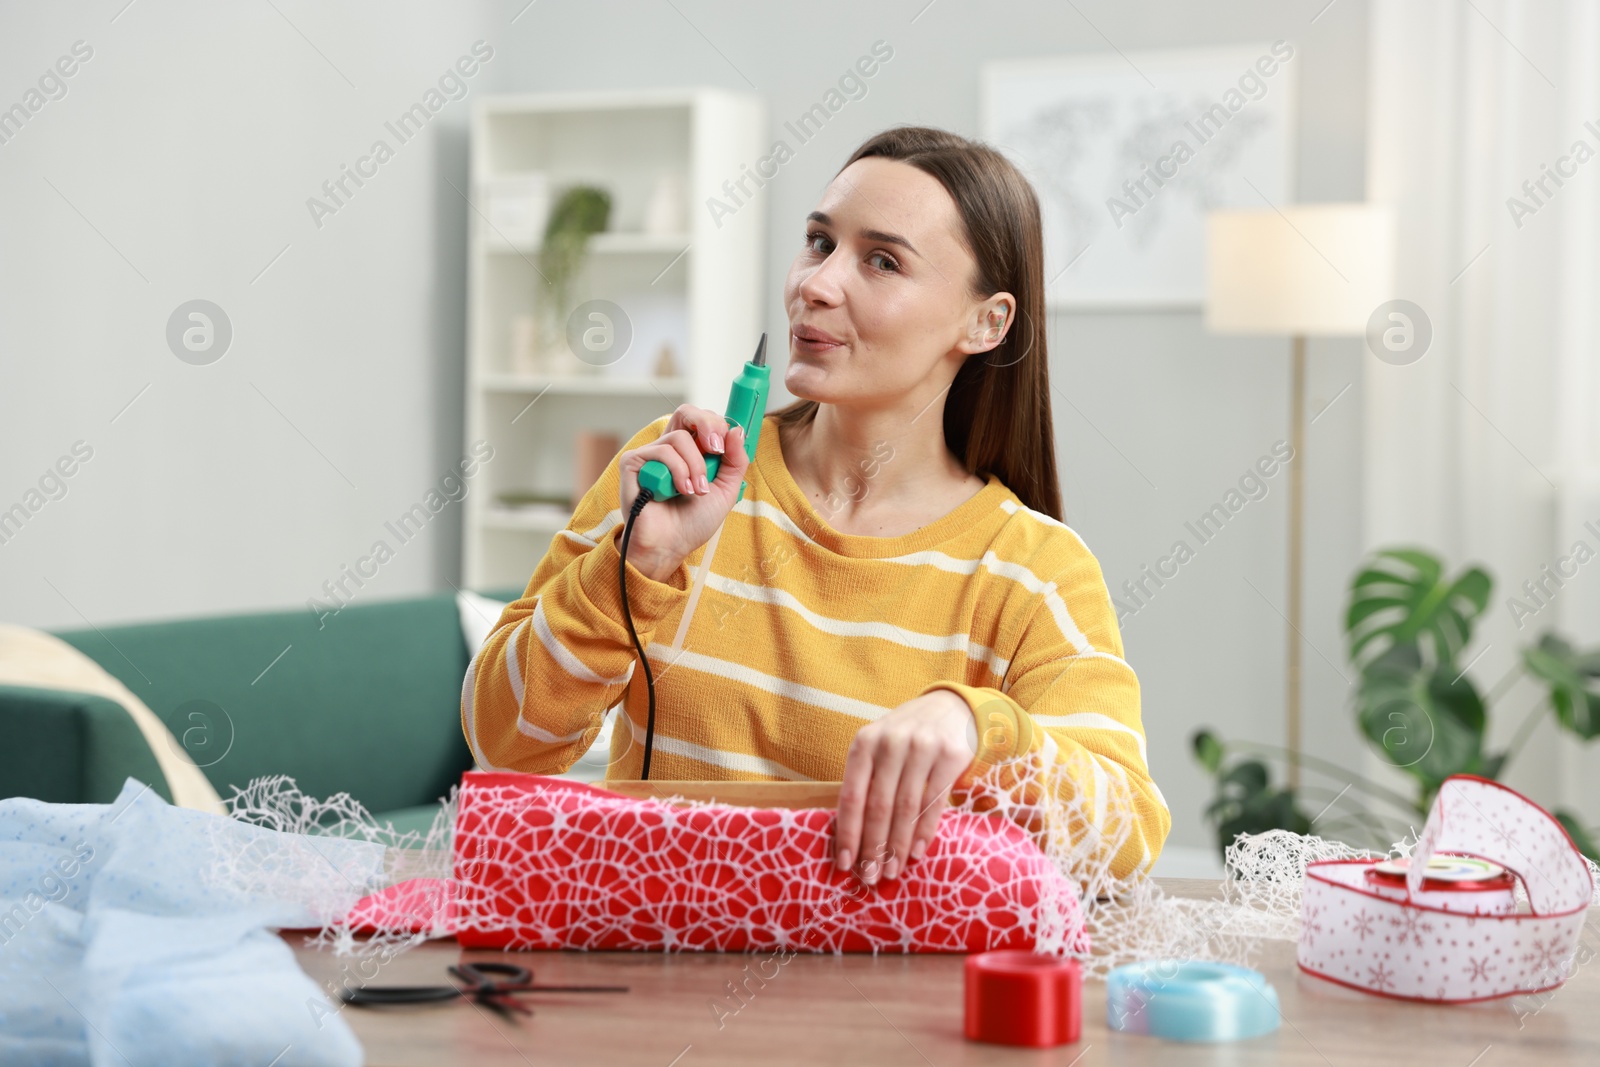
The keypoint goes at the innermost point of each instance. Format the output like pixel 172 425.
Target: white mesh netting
pixel 546 862
pixel 273 865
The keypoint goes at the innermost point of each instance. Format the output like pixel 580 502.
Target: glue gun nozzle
pixel 760 358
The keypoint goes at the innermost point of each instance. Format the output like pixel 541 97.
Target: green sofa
pixel 366 703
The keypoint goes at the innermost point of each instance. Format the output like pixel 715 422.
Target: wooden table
pixel 888 1010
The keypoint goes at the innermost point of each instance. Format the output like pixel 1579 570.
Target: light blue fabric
pixel 139 933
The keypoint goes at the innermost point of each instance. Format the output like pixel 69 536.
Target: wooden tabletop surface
pixel 889 1010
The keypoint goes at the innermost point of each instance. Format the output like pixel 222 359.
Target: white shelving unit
pixel 700 290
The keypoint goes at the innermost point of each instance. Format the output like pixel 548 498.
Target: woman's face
pixel 884 274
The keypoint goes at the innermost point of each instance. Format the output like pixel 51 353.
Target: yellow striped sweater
pixel 779 638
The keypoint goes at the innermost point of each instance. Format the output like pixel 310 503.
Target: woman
pixel 895 603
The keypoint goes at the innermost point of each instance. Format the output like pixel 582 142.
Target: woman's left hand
pixel 897 780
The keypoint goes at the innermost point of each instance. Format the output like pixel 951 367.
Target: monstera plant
pixel 1406 627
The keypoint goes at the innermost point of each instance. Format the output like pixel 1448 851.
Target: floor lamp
pixel 1309 270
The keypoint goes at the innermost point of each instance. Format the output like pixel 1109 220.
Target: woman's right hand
pixel 667 531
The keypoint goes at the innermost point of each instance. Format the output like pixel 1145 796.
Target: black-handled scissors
pixel 480 984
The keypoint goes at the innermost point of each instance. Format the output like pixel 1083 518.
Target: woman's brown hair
pixel 997 413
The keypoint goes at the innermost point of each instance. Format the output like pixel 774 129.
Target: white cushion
pixel 478 616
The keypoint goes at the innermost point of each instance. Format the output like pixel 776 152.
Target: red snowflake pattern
pixel 1411 927
pixel 1311 927
pixel 1548 961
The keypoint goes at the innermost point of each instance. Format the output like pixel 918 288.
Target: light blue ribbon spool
pixel 1191 1000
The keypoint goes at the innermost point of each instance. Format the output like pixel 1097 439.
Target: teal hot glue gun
pixel 747 405
pixel 746 408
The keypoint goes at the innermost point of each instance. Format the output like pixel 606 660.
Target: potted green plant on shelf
pixel 579 213
pixel 1406 627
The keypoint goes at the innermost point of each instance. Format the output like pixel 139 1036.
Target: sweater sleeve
pixel 536 694
pixel 1066 731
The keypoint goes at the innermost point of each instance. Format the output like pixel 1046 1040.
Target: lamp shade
pixel 1309 269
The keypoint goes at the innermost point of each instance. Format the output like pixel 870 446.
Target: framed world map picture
pixel 1129 151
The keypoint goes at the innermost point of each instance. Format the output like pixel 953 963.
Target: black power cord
pixel 644 497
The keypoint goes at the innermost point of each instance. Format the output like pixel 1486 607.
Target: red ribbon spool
pixel 1023 998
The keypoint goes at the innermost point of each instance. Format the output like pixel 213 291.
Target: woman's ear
pixel 991 321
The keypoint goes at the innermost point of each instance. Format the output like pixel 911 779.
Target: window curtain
pixel 1484 134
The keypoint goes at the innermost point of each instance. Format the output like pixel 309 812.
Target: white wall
pixel 187 147
pixel 195 134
